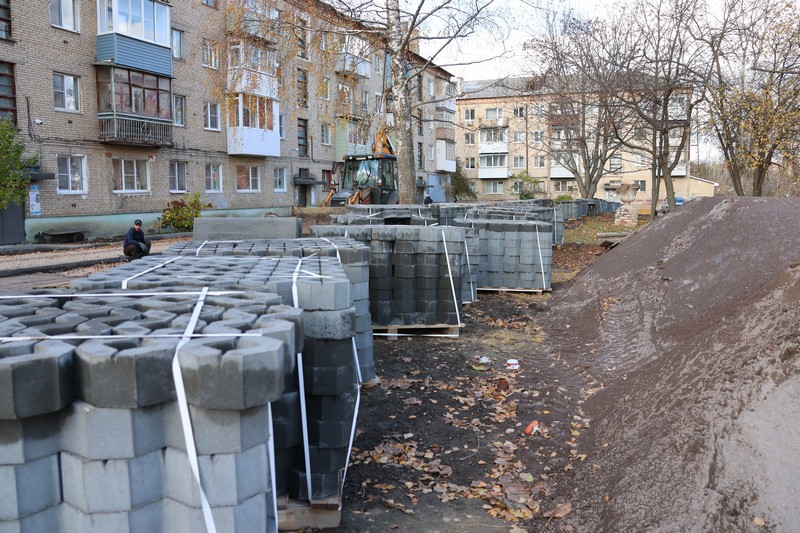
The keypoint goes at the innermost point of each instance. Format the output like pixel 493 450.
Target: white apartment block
pixel 133 104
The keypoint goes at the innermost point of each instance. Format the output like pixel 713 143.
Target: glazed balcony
pixel 123 128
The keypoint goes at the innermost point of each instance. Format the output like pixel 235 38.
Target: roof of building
pixel 504 87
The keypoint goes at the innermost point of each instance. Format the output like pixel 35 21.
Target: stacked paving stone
pixel 379 215
pixel 410 282
pixel 512 254
pixel 520 211
pixel 319 287
pixel 354 258
pixel 91 437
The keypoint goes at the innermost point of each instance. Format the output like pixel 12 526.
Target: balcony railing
pixel 134 129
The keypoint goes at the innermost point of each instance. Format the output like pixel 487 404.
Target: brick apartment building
pixel 132 104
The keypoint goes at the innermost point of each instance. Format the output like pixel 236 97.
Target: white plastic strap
pixel 304 417
pixel 197 252
pixel 335 248
pixel 541 259
pixel 271 457
pixel 186 421
pixel 115 294
pixel 452 283
pixel 165 263
pixel 472 292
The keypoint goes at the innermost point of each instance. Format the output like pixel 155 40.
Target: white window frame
pixel 615 164
pixel 325 134
pixel 326 88
pixel 469 115
pixel 175 177
pixel 494 113
pixel 210 54
pixel 132 168
pixel 281 130
pixel 539 161
pixel 253 178
pixel 76 90
pixel 519 112
pixel 279 179
pixel 538 136
pixel 76 166
pixel 469 138
pixel 378 103
pixel 64 12
pixel 469 162
pixel 175 99
pixel 473 187
pixel 449 151
pixel 211 112
pixel 519 161
pixel 642 185
pixel 179 51
pixel 494 187
pixel 431 88
pixel 641 159
pixel 519 137
pixel 210 185
pixel 494 161
pixel 431 152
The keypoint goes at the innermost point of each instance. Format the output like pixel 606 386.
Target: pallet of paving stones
pixel 433 330
pixel 511 289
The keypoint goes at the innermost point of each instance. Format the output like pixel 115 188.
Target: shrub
pixel 180 214
pixel 563 198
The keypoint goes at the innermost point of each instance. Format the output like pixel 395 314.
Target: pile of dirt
pixel 689 328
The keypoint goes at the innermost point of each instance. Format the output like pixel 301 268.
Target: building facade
pixel 132 105
pixel 505 130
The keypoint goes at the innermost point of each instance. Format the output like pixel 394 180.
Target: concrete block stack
pixel 512 254
pixel 378 215
pixel 523 211
pixel 316 286
pixel 352 254
pixel 416 272
pixel 91 434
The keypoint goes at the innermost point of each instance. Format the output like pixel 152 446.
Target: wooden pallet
pixel 511 289
pixel 417 330
pixel 296 515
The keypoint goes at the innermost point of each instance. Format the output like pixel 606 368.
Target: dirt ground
pixel 662 380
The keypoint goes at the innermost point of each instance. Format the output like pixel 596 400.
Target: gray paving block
pixel 32 438
pixel 45 520
pixel 328 353
pixel 99 433
pixel 219 375
pixel 282 327
pixel 323 485
pixel 37 382
pixel 114 485
pixel 28 488
pixel 329 380
pixel 147 518
pixel 323 294
pixel 121 373
pixel 339 324
pixel 217 430
pixel 228 479
pixel 326 459
pixel 252 515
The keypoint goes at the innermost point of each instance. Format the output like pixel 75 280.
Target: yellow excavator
pixel 368 178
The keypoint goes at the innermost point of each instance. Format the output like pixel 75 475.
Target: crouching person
pixel 135 246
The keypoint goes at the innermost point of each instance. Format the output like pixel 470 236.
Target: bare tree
pixel 753 103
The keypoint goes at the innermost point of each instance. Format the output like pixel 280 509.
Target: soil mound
pixel 690 326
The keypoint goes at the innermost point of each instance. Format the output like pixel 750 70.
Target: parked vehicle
pixel 679 201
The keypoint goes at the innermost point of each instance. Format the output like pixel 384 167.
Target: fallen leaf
pixel 758 522
pixel 533 426
pixel 559 511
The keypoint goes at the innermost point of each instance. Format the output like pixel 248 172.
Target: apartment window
pixel 143 19
pixel 538 161
pixel 519 137
pixel 420 156
pixel 280 126
pixel 493 135
pixel 377 64
pixel 66 92
pixel 248 178
pixel 5 20
pixel 469 115
pixel 323 41
pixel 302 137
pixel 519 161
pixel 301 35
pixel 519 112
pixel 473 186
pixel 538 110
pixel 642 185
pixel 378 104
pixel 250 111
pixel 469 138
pixel 469 162
pixel 615 164
pixel 449 151
pixel 420 131
pixel 213 177
pixel 431 88
pixel 325 134
pixel 641 159
pixel 279 179
pixel 494 187
pixel 419 87
pixel 364 102
pixel 493 160
pixel 71 174
pixel 211 116
pixel 326 88
pixel 178 110
pixel 210 54
pixel 130 175
pixel 302 88
pixel 178 44
pixel 177 176
pixel 538 136
pixel 8 99
pixel 327 177
pixel 494 112
pixel 133 92
pixel 209 3
pixel 64 14
pixel 431 152
pixel 566 186
pixel 516 187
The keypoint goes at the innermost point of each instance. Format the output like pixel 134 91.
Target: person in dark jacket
pixel 428 200
pixel 135 246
